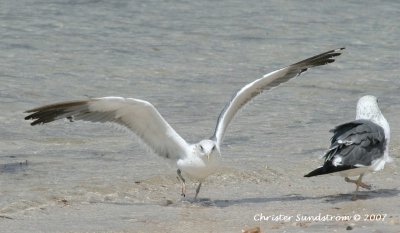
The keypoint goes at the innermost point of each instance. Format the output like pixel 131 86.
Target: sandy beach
pixel 260 198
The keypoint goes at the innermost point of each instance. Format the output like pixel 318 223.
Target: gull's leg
pixel 197 190
pixel 354 197
pixel 183 185
pixel 358 183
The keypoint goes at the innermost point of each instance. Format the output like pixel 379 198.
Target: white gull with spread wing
pixel 197 160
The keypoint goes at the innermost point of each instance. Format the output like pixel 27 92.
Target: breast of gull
pixel 359 146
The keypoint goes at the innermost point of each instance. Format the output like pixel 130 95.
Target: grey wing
pixel 356 143
pixel 267 82
pixel 139 116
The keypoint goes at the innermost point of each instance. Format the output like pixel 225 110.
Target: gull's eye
pixel 201 148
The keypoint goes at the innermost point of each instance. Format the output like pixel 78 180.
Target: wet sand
pixel 232 201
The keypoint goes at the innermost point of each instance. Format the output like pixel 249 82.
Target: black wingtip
pixel 329 168
pixel 29 117
pixel 39 118
pixel 37 122
pixel 316 172
pixel 338 50
pixel 318 60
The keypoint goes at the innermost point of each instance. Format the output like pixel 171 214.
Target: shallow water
pixel 187 58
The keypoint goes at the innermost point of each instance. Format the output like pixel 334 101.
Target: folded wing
pixel 354 144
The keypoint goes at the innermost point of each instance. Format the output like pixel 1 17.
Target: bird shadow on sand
pixel 362 195
pixel 253 200
pixel 13 167
pixel 223 203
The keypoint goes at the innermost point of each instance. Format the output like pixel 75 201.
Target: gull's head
pixel 367 108
pixel 207 149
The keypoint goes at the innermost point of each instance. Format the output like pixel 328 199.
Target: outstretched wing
pixel 138 115
pixel 354 144
pixel 267 82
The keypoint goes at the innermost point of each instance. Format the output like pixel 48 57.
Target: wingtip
pixel 339 50
pixel 36 123
pixel 29 117
pixel 315 172
pixel 336 52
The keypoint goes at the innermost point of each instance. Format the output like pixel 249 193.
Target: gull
pixel 359 146
pixel 198 160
